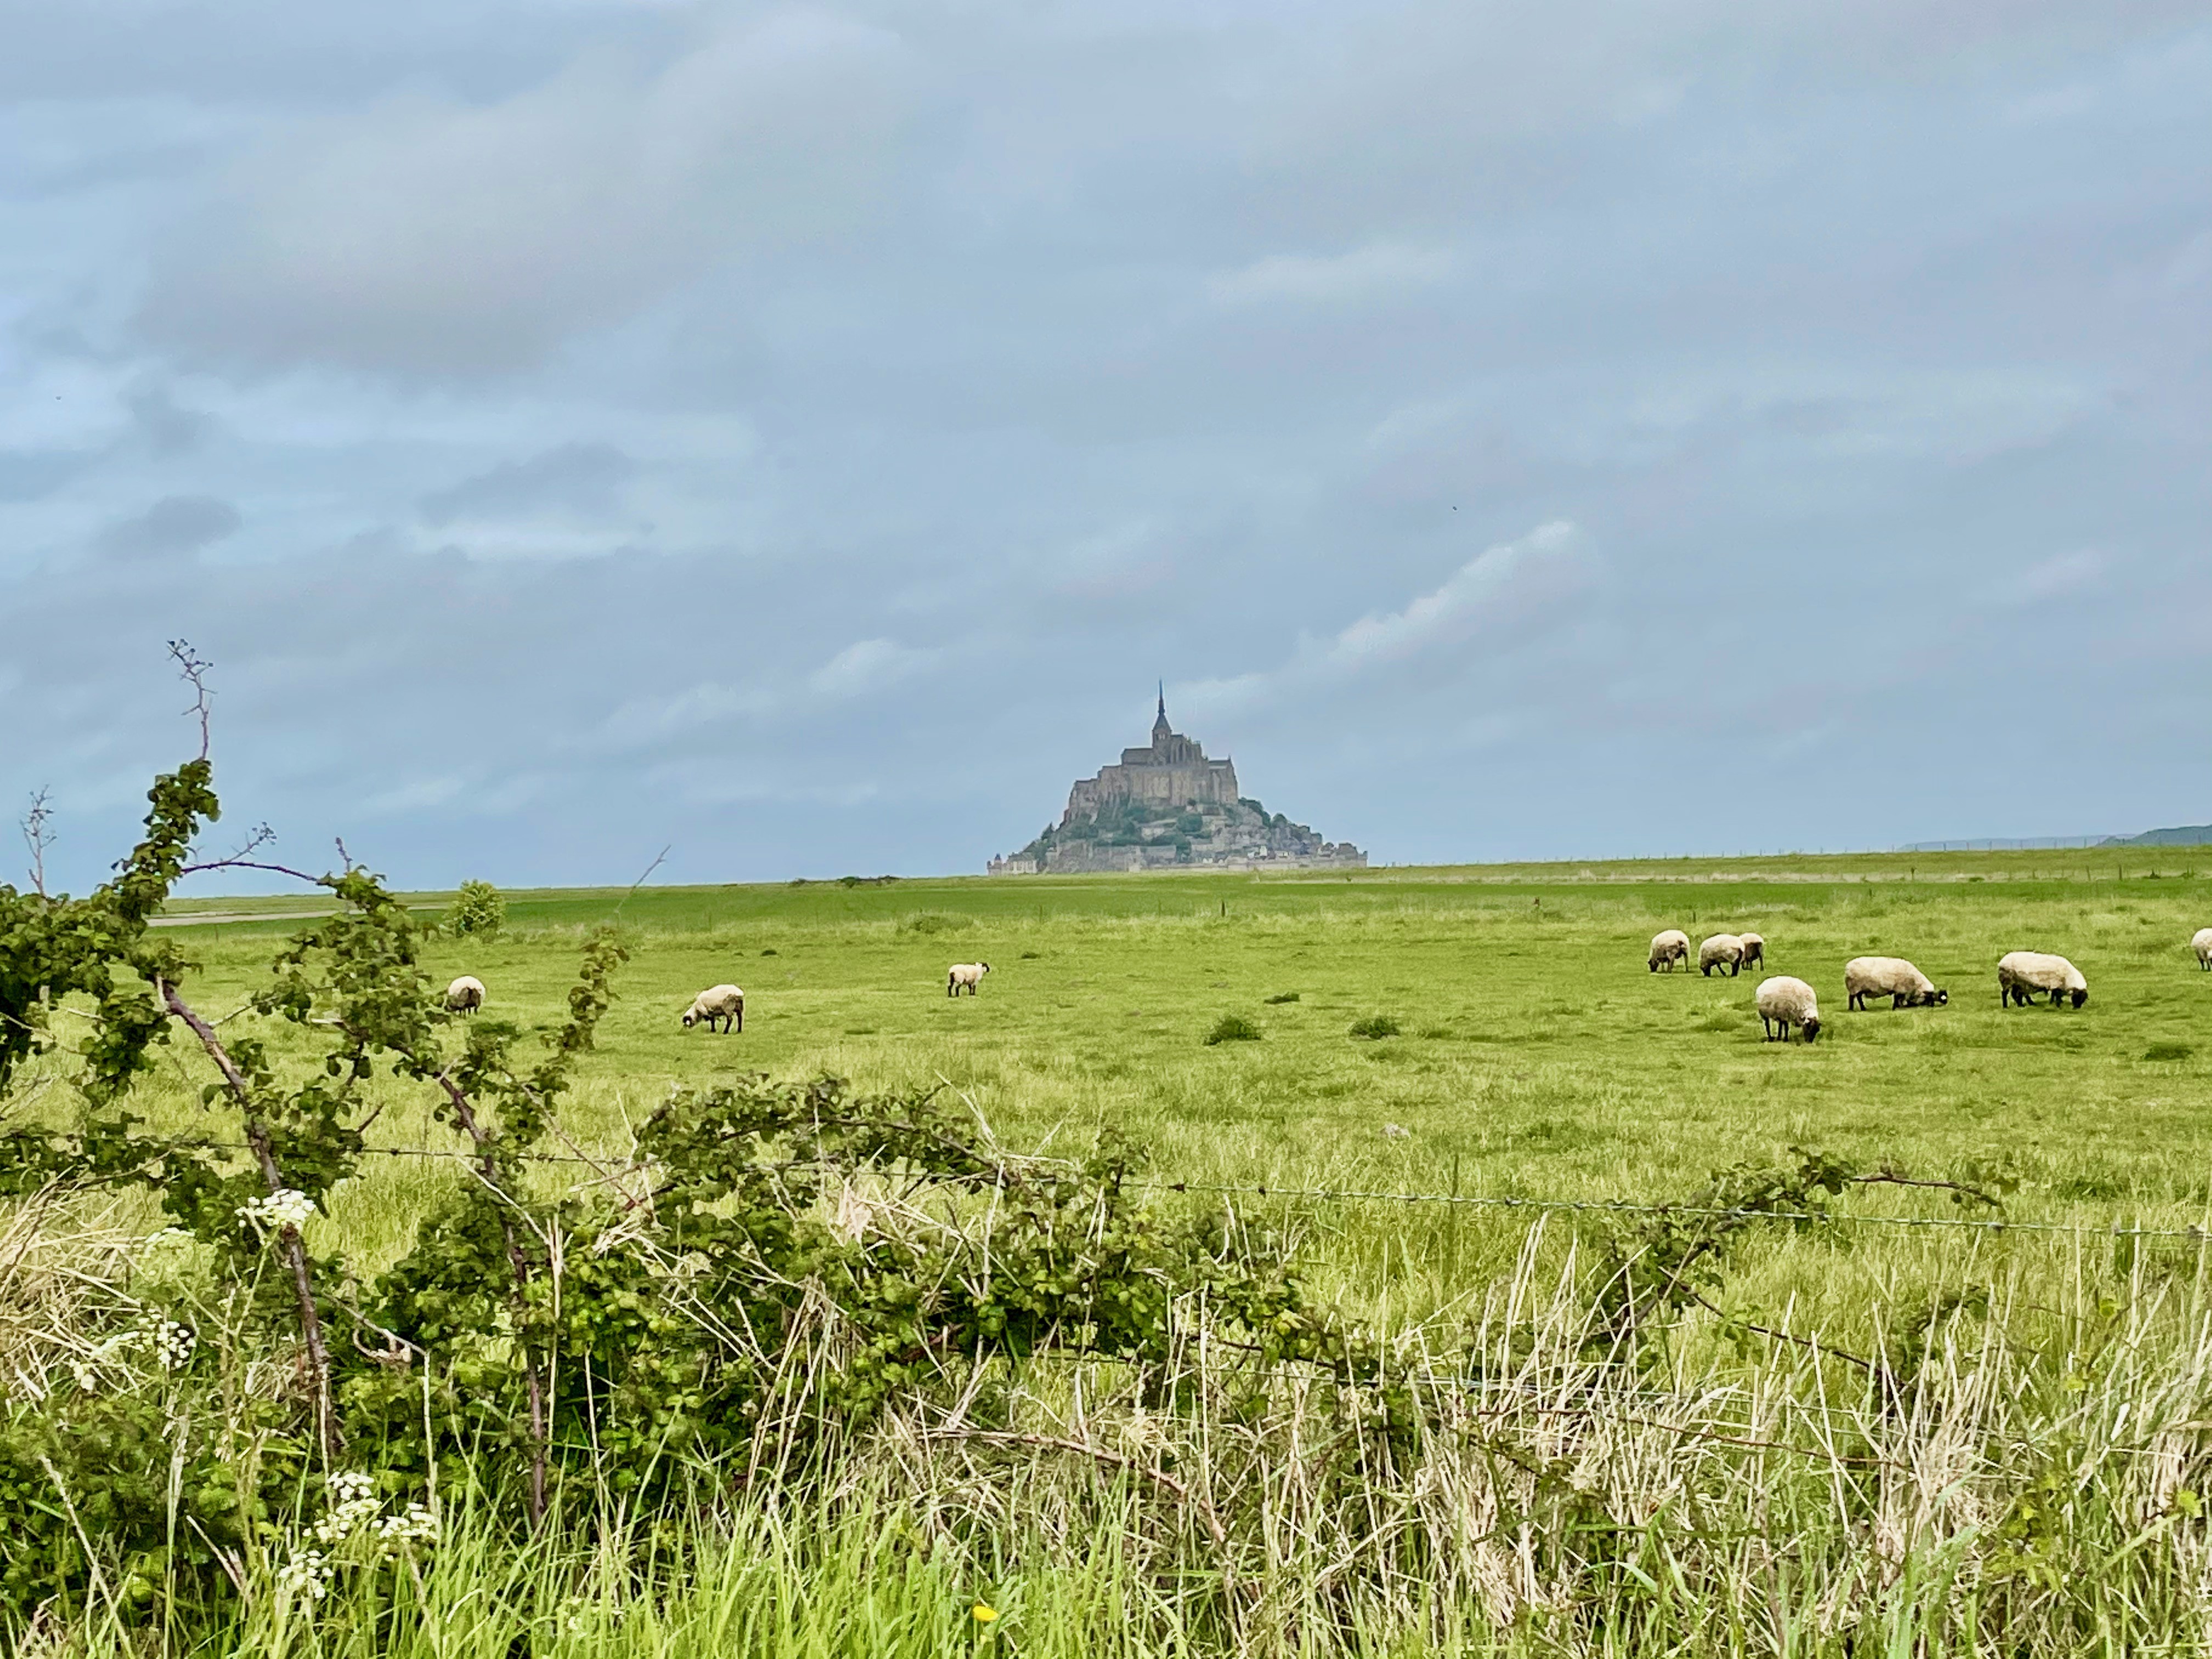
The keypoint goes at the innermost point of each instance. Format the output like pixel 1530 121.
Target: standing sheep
pixel 1754 950
pixel 724 1003
pixel 1670 947
pixel 1783 1002
pixel 2203 946
pixel 2021 974
pixel 465 996
pixel 1894 977
pixel 965 976
pixel 1721 949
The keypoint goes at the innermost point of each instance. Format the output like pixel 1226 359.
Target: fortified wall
pixel 1167 807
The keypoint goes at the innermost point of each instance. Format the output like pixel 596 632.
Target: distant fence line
pixel 2039 844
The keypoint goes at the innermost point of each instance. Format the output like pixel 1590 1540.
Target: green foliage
pixel 928 922
pixel 1232 1028
pixel 479 910
pixel 1375 1026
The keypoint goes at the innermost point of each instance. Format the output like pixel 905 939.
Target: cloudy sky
pixel 803 435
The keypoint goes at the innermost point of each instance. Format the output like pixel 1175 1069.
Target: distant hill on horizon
pixel 2185 835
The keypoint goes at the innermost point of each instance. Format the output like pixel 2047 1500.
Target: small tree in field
pixel 479 910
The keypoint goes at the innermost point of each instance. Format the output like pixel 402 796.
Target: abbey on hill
pixel 1168 807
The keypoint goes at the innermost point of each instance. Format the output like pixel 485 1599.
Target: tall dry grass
pixel 2019 1470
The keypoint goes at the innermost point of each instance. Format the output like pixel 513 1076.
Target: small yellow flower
pixel 984 1612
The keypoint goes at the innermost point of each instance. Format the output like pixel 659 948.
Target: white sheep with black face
pixel 965 976
pixel 2021 974
pixel 465 994
pixel 721 1004
pixel 1894 977
pixel 1754 951
pixel 2201 944
pixel 1783 1002
pixel 1721 951
pixel 1669 947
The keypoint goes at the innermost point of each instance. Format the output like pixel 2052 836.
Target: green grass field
pixel 1537 1055
pixel 2051 1452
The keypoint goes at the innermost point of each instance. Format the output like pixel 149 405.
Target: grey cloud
pixel 580 478
pixel 166 426
pixel 175 526
pixel 432 236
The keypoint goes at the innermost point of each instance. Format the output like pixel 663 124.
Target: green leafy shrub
pixel 927 922
pixel 1232 1028
pixel 1374 1026
pixel 479 910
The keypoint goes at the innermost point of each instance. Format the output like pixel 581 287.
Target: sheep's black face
pixel 1938 998
pixel 1812 1027
pixel 690 1021
pixel 2080 997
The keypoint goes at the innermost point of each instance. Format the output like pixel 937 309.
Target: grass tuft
pixel 1232 1028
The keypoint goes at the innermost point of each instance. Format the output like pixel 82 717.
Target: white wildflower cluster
pixel 353 1504
pixel 306 1575
pixel 173 1345
pixel 283 1208
pixel 356 1512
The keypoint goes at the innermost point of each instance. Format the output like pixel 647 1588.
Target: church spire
pixel 1161 730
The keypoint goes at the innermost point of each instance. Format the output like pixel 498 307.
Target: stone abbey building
pixel 1167 807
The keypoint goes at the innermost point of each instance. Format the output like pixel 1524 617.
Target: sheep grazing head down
pixel 2080 995
pixel 1938 998
pixel 1811 1027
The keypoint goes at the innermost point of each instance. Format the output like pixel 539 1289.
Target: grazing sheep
pixel 1721 949
pixel 465 994
pixel 1785 1002
pixel 2021 974
pixel 722 1003
pixel 1669 948
pixel 965 976
pixel 2203 946
pixel 1894 977
pixel 1754 950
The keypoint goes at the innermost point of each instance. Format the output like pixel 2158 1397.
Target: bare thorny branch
pixel 38 835
pixel 193 667
pixel 659 858
pixel 294 1249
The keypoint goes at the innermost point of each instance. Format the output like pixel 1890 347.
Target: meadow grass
pixel 1534 1056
